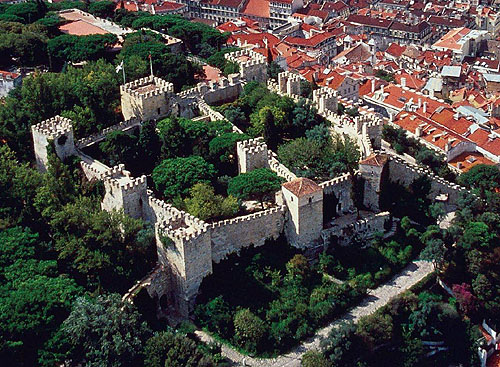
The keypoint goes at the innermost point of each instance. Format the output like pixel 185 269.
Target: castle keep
pixel 187 246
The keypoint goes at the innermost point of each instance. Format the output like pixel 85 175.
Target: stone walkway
pixel 411 275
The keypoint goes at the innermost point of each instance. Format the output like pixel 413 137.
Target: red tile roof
pixel 377 160
pixel 395 50
pixel 372 22
pixel 8 74
pixel 259 8
pixel 302 186
pixel 485 140
pixel 468 160
pixel 81 28
pixel 312 42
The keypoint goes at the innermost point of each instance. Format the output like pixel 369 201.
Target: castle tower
pixel 325 100
pixel 57 131
pixel 289 83
pixel 304 199
pixel 184 248
pixel 253 65
pixel 146 98
pixel 124 192
pixel 252 154
pixel 371 170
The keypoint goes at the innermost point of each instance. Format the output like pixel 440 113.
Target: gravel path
pixel 375 299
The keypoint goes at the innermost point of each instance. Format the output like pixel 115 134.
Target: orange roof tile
pixel 81 28
pixel 302 186
pixel 259 8
pixel 375 160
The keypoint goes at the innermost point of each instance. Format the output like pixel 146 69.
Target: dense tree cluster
pixel 273 298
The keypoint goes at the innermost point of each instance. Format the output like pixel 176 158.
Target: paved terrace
pixel 376 298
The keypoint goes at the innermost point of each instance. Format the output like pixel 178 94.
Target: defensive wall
pixel 362 229
pixel 188 246
pixel 231 235
pixel 404 173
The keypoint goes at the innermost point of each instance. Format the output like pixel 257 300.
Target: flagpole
pixel 151 64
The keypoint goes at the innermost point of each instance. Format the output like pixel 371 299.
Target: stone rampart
pixel 362 229
pixel 341 187
pixel 231 235
pixel 215 115
pixel 404 173
pixel 279 168
pixel 97 137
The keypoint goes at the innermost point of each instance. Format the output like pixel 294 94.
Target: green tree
pixel 375 329
pixel 102 9
pixel 34 297
pixel 249 329
pixel 270 132
pixel 175 176
pixel 339 346
pixel 105 331
pixel 435 252
pixel 223 147
pixel 101 248
pixel 171 349
pixel 313 358
pixel 259 183
pixel 482 177
pixel 204 204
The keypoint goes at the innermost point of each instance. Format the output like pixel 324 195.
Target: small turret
pixel 57 131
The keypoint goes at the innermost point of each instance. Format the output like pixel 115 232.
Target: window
pixel 310 200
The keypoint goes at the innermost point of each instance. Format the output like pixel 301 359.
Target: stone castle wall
pixel 362 229
pixel 230 236
pixel 405 173
pixel 341 187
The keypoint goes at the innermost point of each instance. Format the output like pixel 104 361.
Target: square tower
pixel 124 192
pixel 371 170
pixel 57 131
pixel 146 98
pixel 326 100
pixel 253 65
pixel 304 199
pixel 252 154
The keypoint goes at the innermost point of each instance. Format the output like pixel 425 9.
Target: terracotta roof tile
pixel 302 186
pixel 377 160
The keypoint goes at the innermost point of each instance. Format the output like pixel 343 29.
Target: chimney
pixel 459 165
pixel 373 85
pixel 419 103
pixel 425 107
pixel 403 82
pixel 382 89
pixel 418 131
pixel 265 41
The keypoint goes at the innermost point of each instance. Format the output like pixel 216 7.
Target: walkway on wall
pixel 408 277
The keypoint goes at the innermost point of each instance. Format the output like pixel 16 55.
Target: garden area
pixel 273 298
pixel 427 326
pixel 374 261
pixel 408 332
pixel 192 164
pixel 301 138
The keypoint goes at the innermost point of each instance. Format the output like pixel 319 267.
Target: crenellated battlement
pixel 280 169
pixel 97 137
pixel 249 217
pixel 336 181
pixel 181 234
pixel 53 127
pixel 147 87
